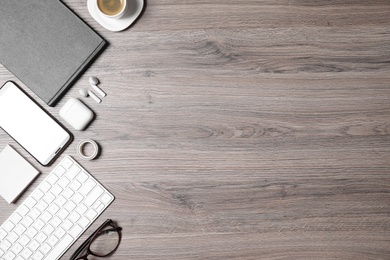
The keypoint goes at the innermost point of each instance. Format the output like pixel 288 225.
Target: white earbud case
pixel 76 113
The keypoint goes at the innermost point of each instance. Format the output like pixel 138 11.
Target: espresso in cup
pixel 111 7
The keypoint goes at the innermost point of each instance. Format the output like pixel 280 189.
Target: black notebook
pixel 45 45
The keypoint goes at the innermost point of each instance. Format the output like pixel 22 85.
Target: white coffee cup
pixel 111 8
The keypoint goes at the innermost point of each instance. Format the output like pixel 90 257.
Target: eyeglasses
pixel 103 242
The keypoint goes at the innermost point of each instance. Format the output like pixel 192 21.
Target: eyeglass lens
pixel 105 242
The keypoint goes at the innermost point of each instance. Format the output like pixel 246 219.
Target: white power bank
pixel 15 174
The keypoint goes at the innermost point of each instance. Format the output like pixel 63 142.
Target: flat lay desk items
pixel 47 47
pixel 215 130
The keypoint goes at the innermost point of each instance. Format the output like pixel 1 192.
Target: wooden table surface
pixel 250 129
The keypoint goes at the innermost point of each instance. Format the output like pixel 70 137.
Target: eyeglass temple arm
pixel 81 248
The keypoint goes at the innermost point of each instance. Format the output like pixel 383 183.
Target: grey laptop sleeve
pixel 45 45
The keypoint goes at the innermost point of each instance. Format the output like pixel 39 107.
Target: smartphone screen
pixel 30 126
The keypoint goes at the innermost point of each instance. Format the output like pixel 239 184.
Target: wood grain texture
pixel 251 129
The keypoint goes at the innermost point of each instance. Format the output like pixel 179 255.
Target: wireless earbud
pixel 93 81
pixel 87 93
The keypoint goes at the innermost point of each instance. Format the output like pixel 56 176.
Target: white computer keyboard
pixel 54 216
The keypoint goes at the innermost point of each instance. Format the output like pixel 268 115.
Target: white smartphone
pixel 29 125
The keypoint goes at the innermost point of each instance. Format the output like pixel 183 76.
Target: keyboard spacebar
pixel 58 250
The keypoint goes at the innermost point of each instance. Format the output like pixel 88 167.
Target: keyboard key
pixel 49 229
pixel 66 163
pixel 56 221
pixel 39 224
pixel 84 222
pixel 82 177
pixel 56 190
pixel 41 237
pixel 52 179
pixel 87 187
pixel 68 193
pixel 5 244
pixel 64 182
pixel 16 248
pixel 33 245
pixel 27 221
pixel 42 205
pixel 60 247
pixel 70 206
pixel 12 237
pixel 24 240
pixel 34 213
pixel 31 232
pixel 3 233
pixel 38 256
pixel 97 205
pixel 100 208
pixel 91 214
pixel 20 229
pixel 75 185
pixel 60 201
pixel 30 202
pixel 49 197
pixel 81 209
pixel 95 194
pixel 60 232
pixel 106 198
pixel 67 224
pixel 37 194
pixel 63 213
pixel 52 240
pixel 75 231
pixel 15 218
pixel 74 217
pixel 73 171
pixel 60 170
pixel 9 256
pixel 8 226
pixel 23 210
pixel 53 209
pixel 45 186
pixel 45 248
pixel 77 198
pixel 26 253
pixel 46 216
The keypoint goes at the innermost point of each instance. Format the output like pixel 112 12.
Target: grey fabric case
pixel 45 45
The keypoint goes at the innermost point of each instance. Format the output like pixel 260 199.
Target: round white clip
pixel 81 152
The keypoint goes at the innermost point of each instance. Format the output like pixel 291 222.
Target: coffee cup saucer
pixel 133 10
